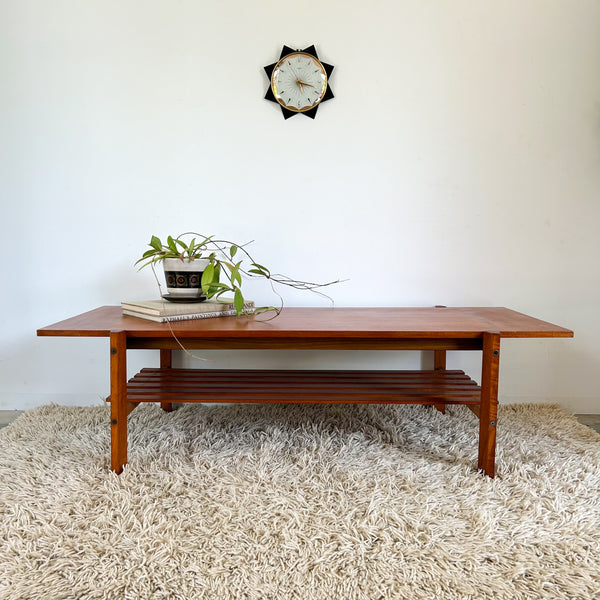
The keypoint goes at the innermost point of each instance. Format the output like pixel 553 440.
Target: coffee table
pixel 438 329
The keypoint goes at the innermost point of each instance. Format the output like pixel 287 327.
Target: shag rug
pixel 299 502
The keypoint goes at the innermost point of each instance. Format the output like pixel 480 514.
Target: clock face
pixel 299 82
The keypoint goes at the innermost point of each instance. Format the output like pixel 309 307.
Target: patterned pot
pixel 183 277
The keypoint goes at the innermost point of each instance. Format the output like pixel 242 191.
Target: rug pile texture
pixel 299 502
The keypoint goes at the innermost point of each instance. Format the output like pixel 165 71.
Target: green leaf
pixel 156 243
pixel 235 274
pixel 172 245
pixel 238 301
pixel 264 270
pixel 257 272
pixel 221 286
pixel 232 251
pixel 216 289
pixel 147 256
pixel 181 243
pixel 207 278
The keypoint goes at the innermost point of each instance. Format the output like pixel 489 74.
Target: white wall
pixel 458 164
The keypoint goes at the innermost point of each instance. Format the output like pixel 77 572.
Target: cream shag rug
pixel 302 502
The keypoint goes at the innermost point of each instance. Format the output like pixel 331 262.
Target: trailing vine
pixel 229 263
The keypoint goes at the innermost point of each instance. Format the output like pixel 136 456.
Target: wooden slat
pixel 211 385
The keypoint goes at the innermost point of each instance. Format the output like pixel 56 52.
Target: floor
pixel 592 421
pixel 8 416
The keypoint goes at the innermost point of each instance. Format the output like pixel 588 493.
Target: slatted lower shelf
pixel 305 386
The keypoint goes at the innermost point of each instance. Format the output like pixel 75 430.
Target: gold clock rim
pixel 316 60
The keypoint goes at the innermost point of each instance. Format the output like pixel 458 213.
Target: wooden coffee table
pixel 438 329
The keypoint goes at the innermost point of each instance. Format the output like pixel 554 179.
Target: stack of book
pixel 162 311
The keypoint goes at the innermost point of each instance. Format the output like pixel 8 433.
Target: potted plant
pixel 204 268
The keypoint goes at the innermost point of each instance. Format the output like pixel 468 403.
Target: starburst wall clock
pixel 299 82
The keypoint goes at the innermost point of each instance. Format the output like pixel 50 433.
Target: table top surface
pixel 329 323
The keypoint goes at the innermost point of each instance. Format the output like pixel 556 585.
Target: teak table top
pixel 321 323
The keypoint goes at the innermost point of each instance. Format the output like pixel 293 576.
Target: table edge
pixel 165 331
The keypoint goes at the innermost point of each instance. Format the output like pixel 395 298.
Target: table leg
pixel 439 364
pixel 118 400
pixel 166 363
pixel 488 410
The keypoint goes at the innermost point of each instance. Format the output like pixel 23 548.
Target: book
pixel 164 308
pixel 173 318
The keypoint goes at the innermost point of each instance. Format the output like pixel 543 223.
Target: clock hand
pixel 301 83
pixel 293 70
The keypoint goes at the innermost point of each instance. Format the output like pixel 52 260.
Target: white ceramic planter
pixel 183 277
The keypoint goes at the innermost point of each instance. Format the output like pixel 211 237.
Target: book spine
pixel 178 310
pixel 206 315
pixel 157 313
pixel 172 318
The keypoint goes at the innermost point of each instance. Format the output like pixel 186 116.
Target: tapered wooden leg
pixel 118 400
pixel 439 364
pixel 166 363
pixel 488 410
